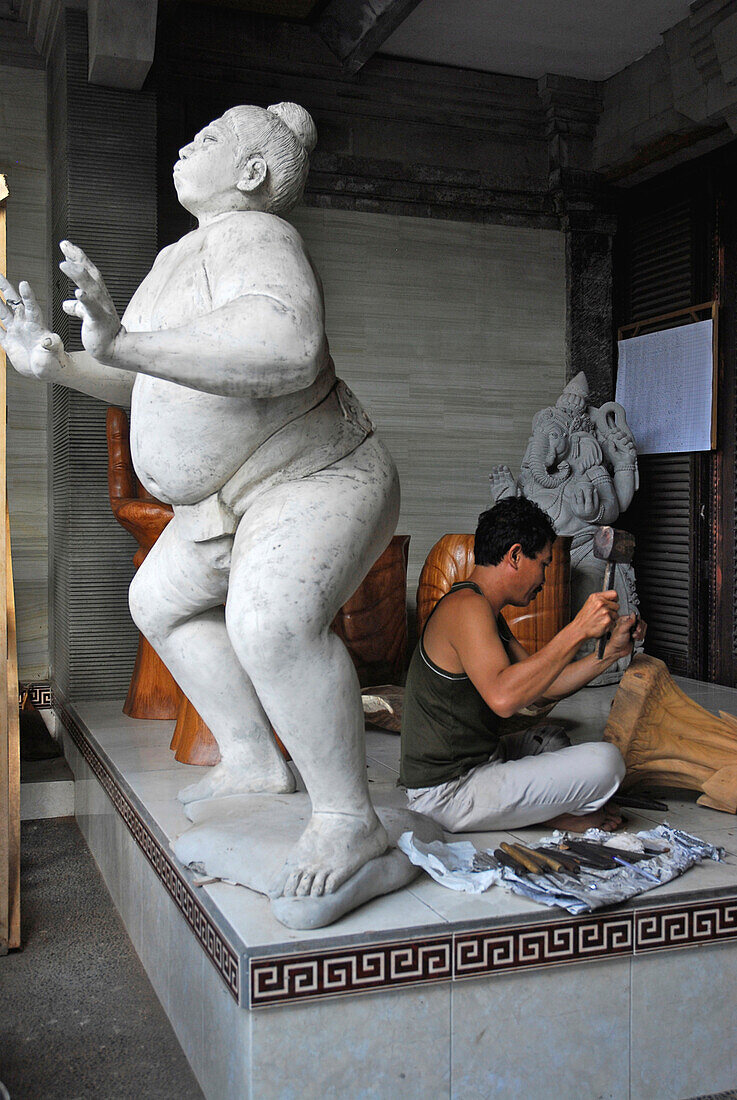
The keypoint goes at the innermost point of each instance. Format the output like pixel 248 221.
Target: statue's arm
pixel 36 352
pixel 256 345
pixel 621 451
pixel 264 337
pixel 81 371
pixel 625 484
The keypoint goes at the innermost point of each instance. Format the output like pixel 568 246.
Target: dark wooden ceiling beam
pixel 122 39
pixel 355 29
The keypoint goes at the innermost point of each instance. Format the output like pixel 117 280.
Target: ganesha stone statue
pixel 580 467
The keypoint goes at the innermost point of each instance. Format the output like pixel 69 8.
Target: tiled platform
pixel 620 1026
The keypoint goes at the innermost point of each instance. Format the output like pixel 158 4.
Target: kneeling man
pixel 469 676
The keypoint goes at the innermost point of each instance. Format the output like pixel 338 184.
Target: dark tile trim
pixel 497 950
pixel 686 925
pixel 284 978
pixel 39 692
pixel 368 968
pixel 220 953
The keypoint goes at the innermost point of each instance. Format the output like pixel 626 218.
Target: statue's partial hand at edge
pixel 31 347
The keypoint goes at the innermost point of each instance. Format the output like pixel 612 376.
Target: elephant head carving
pixel 547 447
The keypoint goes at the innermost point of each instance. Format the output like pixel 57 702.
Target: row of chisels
pixel 555 863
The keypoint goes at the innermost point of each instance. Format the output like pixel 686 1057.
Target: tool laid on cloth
pixel 593 873
pixel 639 802
pixel 611 546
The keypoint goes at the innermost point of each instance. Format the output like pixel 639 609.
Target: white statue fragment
pixel 580 467
pixel 283 496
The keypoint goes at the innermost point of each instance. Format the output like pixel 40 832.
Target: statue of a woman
pixel 283 496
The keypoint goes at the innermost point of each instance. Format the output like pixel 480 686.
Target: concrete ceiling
pixel 585 38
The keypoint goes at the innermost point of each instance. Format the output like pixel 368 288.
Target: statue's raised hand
pixel 91 304
pixel 29 345
pixel 584 500
pixel 502 483
pixel 619 447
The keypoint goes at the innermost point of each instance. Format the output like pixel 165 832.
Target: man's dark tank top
pixel 447 728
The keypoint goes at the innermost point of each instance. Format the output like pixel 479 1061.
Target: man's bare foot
pixel 331 849
pixel 608 819
pixel 226 778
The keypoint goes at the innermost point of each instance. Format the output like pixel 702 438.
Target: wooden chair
pixel 153 692
pixel 451 560
pixel 373 623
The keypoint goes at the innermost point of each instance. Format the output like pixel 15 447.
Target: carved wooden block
pixel 668 740
pixel 451 559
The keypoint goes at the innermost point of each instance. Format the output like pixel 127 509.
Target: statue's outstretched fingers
pixel 8 291
pixel 30 302
pixel 73 308
pixel 75 255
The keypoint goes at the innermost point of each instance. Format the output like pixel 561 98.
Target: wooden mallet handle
pixel 608 583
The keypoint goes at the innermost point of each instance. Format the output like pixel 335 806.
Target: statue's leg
pixel 300 552
pixel 177 600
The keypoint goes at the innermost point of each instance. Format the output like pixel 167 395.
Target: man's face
pixel 206 168
pixel 531 574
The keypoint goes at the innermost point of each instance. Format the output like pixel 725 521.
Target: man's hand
pixel 33 349
pixel 627 630
pixel 598 614
pixel 92 304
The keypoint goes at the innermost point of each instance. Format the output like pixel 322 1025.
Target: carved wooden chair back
pixel 451 560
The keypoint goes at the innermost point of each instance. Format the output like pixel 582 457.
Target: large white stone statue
pixel 283 495
pixel 580 466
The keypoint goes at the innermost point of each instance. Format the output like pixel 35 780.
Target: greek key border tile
pixel 39 693
pixel 220 953
pixel 686 925
pixel 283 979
pixel 496 950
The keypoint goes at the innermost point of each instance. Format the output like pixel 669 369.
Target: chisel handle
pixel 608 584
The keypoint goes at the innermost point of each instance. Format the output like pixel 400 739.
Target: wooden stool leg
pixel 192 739
pixel 153 692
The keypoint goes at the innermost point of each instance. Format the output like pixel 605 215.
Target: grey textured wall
pixel 23 159
pixel 453 335
pixel 103 173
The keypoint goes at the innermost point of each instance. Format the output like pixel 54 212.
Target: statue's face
pixel 557 443
pixel 206 168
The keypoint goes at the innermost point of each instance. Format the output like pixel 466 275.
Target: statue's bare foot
pixel 331 849
pixel 228 778
pixel 609 818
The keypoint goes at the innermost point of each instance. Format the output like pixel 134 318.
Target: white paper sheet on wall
pixel 664 382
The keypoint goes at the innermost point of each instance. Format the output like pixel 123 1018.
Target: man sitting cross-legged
pixel 469 676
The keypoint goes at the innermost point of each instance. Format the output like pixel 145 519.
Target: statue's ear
pixel 252 174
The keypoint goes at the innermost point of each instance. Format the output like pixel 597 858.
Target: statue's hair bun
pixel 299 121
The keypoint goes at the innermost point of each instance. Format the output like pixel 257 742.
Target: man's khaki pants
pixel 510 791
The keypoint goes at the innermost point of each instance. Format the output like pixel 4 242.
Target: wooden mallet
pixel 612 546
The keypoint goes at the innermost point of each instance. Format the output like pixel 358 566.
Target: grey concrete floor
pixel 78 1016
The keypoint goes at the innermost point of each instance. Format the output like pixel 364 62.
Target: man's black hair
pixel 514 519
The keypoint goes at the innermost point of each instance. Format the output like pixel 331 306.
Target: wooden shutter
pixel 659 260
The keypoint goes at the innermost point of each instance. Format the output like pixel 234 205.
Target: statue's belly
pixel 185 444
